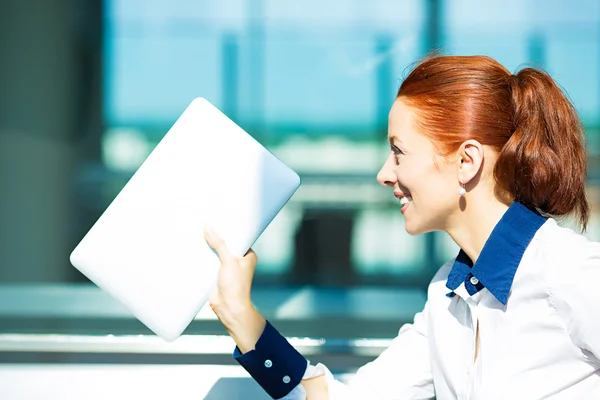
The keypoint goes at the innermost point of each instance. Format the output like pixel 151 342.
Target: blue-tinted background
pixel 314 82
pixel 89 87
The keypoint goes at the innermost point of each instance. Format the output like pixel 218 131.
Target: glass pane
pixel 312 82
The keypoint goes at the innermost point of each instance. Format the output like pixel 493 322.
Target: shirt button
pixel 268 363
pixel 286 379
pixel 474 281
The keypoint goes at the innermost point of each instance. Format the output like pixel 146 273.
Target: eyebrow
pixel 392 138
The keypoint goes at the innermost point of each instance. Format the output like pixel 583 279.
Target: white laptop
pixel 148 250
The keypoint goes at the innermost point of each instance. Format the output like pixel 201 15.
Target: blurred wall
pixel 41 130
pixel 316 80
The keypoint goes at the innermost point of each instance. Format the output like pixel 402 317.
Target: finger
pixel 251 259
pixel 218 244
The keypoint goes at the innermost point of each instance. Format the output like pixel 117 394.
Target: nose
pixel 387 175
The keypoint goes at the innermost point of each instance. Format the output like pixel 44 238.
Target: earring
pixel 462 191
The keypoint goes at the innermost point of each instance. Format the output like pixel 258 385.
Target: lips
pixel 405 198
pixel 402 195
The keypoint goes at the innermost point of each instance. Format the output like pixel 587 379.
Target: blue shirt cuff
pixel 274 363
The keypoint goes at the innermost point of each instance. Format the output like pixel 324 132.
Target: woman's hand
pixel 231 299
pixel 235 275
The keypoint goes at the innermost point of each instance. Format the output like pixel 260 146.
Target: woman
pixel 490 158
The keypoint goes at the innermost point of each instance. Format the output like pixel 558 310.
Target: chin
pixel 415 229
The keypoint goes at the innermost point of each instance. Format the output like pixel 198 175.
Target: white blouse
pixel 534 297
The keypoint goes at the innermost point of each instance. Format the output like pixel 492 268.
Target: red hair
pixel 526 117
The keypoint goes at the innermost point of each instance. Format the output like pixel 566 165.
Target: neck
pixel 473 225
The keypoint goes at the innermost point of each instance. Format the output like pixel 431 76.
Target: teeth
pixel 405 200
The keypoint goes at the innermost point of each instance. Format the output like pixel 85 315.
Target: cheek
pixel 419 176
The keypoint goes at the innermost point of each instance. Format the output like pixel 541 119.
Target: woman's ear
pixel 470 160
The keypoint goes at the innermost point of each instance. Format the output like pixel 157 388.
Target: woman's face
pixel 425 183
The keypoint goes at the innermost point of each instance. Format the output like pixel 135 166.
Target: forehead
pixel 401 124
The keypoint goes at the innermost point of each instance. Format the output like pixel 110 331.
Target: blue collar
pixel 500 257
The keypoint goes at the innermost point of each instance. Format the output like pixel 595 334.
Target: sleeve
pixel 274 364
pixel 401 372
pixel 575 295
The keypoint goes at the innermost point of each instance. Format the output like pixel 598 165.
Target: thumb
pixel 218 244
pixel 251 259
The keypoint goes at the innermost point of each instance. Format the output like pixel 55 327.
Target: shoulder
pixel 552 233
pixel 443 272
pixel 560 250
pixel 438 283
pixel 568 261
pixel 571 270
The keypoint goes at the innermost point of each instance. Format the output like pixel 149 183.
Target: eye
pixel 396 150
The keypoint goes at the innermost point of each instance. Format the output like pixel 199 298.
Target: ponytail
pixel 543 163
pixel 525 117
